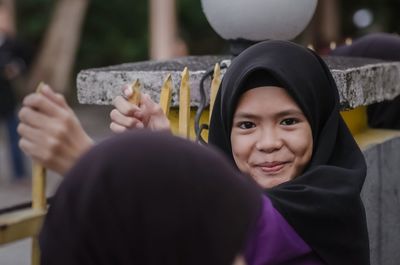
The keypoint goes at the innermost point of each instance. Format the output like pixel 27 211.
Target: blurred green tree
pixel 117 31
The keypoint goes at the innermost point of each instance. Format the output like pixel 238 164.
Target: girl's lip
pixel 271 167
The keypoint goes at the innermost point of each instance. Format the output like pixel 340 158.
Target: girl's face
pixel 271 138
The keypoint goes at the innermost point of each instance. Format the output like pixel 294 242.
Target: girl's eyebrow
pixel 245 115
pixel 290 112
pixel 251 115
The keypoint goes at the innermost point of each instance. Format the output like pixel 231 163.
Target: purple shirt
pixel 274 241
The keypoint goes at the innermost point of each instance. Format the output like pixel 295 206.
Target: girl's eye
pixel 288 122
pixel 246 125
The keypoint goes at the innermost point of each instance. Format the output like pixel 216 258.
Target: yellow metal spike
pixel 184 104
pixel 38 196
pixel 39 178
pixel 38 187
pixel 35 255
pixel 166 93
pixel 215 83
pixel 136 94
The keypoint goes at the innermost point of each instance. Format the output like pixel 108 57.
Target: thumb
pixel 147 102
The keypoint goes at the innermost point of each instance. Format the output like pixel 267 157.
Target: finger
pixel 43 156
pixel 127 90
pixel 31 149
pixel 147 101
pixel 30 133
pixel 128 122
pixel 149 106
pixel 44 105
pixel 53 96
pixel 126 108
pixel 34 118
pixel 117 128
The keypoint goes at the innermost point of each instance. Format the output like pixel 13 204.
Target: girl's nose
pixel 269 140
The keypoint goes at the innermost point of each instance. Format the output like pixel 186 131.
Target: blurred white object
pixel 258 20
pixel 363 18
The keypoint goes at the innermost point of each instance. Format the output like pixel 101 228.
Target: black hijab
pixel 382 46
pixel 149 198
pixel 322 204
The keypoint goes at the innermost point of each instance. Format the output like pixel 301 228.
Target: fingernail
pixel 127 91
pixel 45 88
pixel 140 125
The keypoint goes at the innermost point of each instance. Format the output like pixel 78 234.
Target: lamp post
pixel 244 22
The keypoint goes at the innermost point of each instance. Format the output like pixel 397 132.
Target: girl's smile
pixel 271 137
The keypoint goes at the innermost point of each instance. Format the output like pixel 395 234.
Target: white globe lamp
pixel 257 20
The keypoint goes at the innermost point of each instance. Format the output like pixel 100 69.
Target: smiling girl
pixel 276 116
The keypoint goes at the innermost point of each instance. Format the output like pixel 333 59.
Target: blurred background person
pixel 14 58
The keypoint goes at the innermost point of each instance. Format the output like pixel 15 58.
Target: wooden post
pixel 7 17
pixel 163 29
pixel 56 57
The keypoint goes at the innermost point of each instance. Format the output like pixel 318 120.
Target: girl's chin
pixel 269 180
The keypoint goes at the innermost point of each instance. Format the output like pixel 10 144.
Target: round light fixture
pixel 257 20
pixel 363 18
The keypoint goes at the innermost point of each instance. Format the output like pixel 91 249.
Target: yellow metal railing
pixel 26 223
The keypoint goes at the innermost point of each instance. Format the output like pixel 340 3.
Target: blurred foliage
pixel 117 31
pixel 196 31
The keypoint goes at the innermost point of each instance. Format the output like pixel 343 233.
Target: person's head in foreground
pixel 150 198
pixel 277 117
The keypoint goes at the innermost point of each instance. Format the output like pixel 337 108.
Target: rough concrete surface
pixel 381 197
pixel 360 81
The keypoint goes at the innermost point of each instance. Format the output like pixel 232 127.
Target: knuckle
pixel 21 128
pixel 22 144
pixel 59 133
pixel 117 129
pixel 66 121
pixel 61 98
pixel 117 100
pixel 132 123
pixel 46 157
pixel 157 108
pixel 23 113
pixel 35 100
pixel 53 146
pixel 113 114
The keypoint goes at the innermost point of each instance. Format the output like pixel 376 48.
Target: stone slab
pixel 99 86
pixel 360 81
pixel 381 198
pixel 371 196
pixel 390 199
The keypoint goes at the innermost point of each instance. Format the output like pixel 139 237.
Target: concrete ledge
pixel 360 81
pixel 101 85
pixel 381 197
